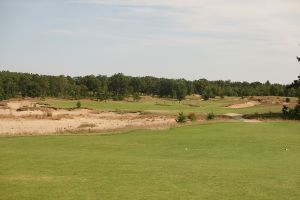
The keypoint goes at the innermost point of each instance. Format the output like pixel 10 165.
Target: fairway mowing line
pixel 39 178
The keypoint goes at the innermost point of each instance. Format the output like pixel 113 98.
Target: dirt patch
pixel 245 105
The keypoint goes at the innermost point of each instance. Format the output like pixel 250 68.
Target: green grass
pixel 214 161
pixel 217 106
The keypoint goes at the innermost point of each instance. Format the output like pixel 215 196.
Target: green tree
pixel 2 97
pixel 181 90
pixel 118 85
pixel 33 89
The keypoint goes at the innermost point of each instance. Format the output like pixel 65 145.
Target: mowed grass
pixel 217 106
pixel 212 161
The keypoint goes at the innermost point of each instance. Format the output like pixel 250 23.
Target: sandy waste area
pixel 245 105
pixel 29 117
pixel 239 117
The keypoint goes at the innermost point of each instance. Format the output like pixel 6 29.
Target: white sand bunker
pixel 245 105
pixel 239 117
pixel 251 120
pixel 233 115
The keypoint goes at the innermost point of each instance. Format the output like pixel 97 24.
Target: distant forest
pixel 119 86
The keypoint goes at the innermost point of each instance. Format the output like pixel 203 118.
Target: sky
pixel 238 40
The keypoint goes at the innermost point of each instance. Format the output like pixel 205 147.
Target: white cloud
pixel 64 32
pixel 259 18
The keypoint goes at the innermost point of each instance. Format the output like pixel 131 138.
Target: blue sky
pixel 237 40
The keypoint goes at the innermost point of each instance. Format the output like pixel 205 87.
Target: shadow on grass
pixel 269 115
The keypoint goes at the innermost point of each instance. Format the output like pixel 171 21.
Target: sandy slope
pixel 245 105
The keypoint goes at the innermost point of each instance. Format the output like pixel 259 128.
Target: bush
pixel 136 97
pixel 78 104
pixel 287 100
pixel 118 97
pixel 210 116
pixel 285 111
pixel 205 97
pixel 181 118
pixel 102 96
pixel 291 113
pixel 192 117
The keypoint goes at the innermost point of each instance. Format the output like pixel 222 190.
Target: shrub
pixel 192 117
pixel 287 100
pixel 103 96
pixel 205 97
pixel 210 116
pixel 285 111
pixel 136 97
pixel 181 118
pixel 78 104
pixel 290 113
pixel 118 97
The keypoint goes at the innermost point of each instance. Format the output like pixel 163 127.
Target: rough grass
pixel 217 106
pixel 213 161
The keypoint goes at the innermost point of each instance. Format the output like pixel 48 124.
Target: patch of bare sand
pixel 40 112
pixel 245 105
pixel 251 120
pixel 34 120
pixel 19 104
pixel 233 115
pixel 16 126
pixel 239 117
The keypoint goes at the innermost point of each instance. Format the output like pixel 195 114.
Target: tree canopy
pixel 118 86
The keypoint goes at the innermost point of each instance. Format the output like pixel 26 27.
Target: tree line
pixel 119 86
